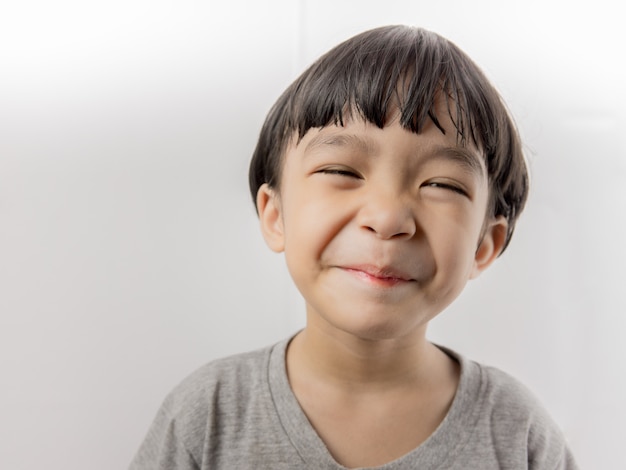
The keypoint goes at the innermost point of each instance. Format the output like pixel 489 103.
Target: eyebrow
pixel 339 140
pixel 466 158
pixel 469 160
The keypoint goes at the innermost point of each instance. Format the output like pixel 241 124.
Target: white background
pixel 129 248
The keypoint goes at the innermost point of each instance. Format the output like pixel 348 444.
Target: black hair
pixel 406 68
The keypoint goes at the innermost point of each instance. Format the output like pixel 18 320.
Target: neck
pixel 344 361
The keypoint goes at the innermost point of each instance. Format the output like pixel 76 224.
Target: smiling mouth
pixel 386 276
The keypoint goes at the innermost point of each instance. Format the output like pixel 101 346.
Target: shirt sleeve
pixel 548 449
pixel 162 449
pixel 568 463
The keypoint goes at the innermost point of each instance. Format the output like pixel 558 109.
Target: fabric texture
pixel 240 413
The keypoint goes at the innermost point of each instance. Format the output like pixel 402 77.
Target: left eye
pixel 447 186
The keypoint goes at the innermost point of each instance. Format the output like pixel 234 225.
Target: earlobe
pixel 490 246
pixel 270 218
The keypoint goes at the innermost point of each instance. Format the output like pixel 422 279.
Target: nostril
pixel 388 217
pixel 388 233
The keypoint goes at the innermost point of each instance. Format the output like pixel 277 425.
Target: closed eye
pixel 447 186
pixel 339 172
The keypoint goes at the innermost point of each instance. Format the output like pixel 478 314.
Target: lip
pixel 386 275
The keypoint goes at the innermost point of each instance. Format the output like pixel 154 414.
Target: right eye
pixel 340 172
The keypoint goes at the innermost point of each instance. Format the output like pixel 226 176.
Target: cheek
pixel 312 223
pixel 456 245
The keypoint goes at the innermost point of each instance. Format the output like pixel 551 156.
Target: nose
pixel 388 216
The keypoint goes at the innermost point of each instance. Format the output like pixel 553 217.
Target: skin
pixel 381 229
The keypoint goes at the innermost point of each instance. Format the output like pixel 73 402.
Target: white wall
pixel 129 249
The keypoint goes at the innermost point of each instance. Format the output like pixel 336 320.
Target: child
pixel 389 174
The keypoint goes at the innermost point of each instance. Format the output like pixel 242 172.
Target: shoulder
pixel 221 379
pixel 506 393
pixel 217 396
pixel 495 389
pixel 243 367
pixel 208 414
pixel 518 420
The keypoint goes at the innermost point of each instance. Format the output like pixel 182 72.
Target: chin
pixel 377 330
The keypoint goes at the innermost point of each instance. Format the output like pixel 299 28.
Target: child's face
pixel 381 228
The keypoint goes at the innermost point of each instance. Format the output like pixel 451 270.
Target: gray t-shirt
pixel 240 413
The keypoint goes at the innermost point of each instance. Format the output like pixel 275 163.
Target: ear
pixel 270 217
pixel 490 246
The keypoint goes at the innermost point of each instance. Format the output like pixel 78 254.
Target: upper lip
pixel 382 272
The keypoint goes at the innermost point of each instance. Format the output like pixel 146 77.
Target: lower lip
pixel 376 280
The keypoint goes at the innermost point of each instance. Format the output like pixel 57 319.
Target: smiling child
pixel 389 174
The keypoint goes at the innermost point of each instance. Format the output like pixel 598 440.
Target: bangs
pixel 386 71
